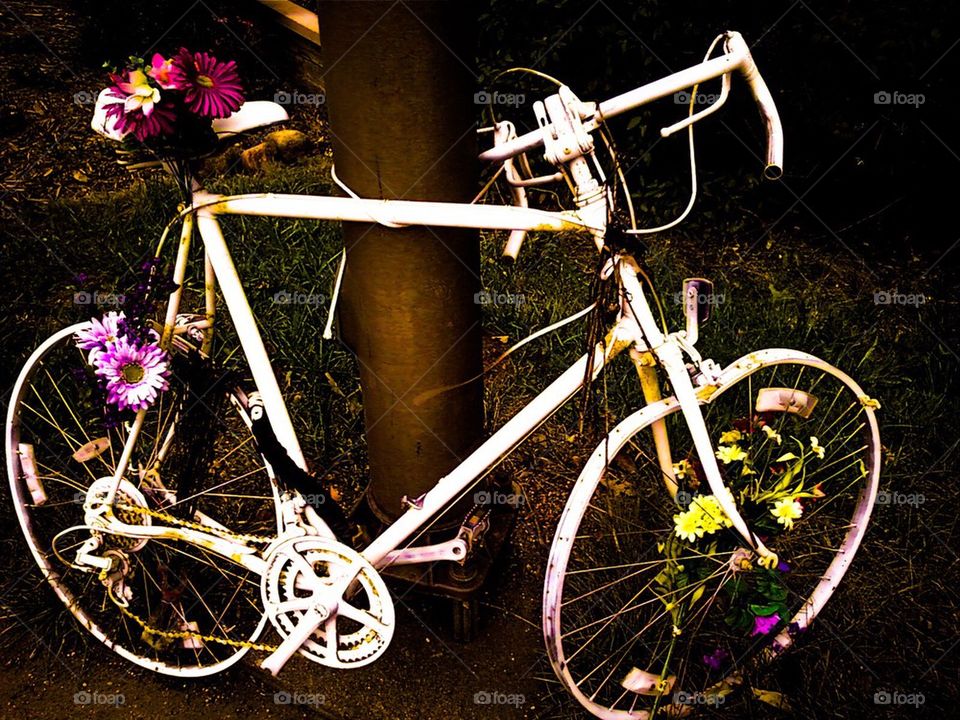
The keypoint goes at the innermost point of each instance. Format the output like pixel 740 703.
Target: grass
pixel 886 629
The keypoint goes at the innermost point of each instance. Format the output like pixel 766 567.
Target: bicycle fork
pixel 668 351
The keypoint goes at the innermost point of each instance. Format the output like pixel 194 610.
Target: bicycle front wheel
pixel 653 605
pixel 164 604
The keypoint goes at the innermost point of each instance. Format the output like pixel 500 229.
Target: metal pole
pixel 399 83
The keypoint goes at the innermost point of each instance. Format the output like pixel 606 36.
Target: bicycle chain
pixel 195 526
pixel 189 634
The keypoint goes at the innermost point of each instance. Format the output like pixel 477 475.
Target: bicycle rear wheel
pixel 654 606
pixel 188 612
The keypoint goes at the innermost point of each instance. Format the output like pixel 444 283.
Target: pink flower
pixel 101 335
pixel 134 374
pixel 159 70
pixel 211 88
pixel 763 625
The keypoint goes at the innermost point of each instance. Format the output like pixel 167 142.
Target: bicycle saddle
pixel 251 115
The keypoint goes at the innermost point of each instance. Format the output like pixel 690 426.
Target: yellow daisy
pixel 786 511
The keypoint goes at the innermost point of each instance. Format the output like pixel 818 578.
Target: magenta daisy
pixel 101 335
pixel 211 88
pixel 134 374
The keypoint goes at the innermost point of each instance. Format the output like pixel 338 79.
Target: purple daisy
pixel 763 625
pixel 101 335
pixel 210 88
pixel 134 374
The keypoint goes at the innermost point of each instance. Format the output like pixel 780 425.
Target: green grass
pixel 885 627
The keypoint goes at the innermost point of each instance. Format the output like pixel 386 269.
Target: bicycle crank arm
pixel 310 621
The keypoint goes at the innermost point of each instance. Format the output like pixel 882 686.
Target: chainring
pixel 295 566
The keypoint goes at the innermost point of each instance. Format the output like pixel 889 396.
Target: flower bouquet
pixel 166 107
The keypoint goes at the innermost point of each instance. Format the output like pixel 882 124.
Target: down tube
pixel 488 455
pixel 249 334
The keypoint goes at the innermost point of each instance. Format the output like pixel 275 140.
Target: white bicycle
pixel 704 534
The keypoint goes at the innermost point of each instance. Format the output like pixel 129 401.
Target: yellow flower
pixel 772 434
pixel 786 511
pixel 730 436
pixel 817 448
pixel 688 525
pixel 713 517
pixel 681 469
pixel 730 453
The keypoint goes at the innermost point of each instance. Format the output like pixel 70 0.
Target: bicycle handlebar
pixel 736 57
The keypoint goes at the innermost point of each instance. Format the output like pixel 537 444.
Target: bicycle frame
pixel 637 328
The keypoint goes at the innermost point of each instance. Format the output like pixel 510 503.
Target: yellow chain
pixel 195 526
pixel 189 634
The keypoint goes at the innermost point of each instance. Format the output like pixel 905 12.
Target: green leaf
pixel 764 610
